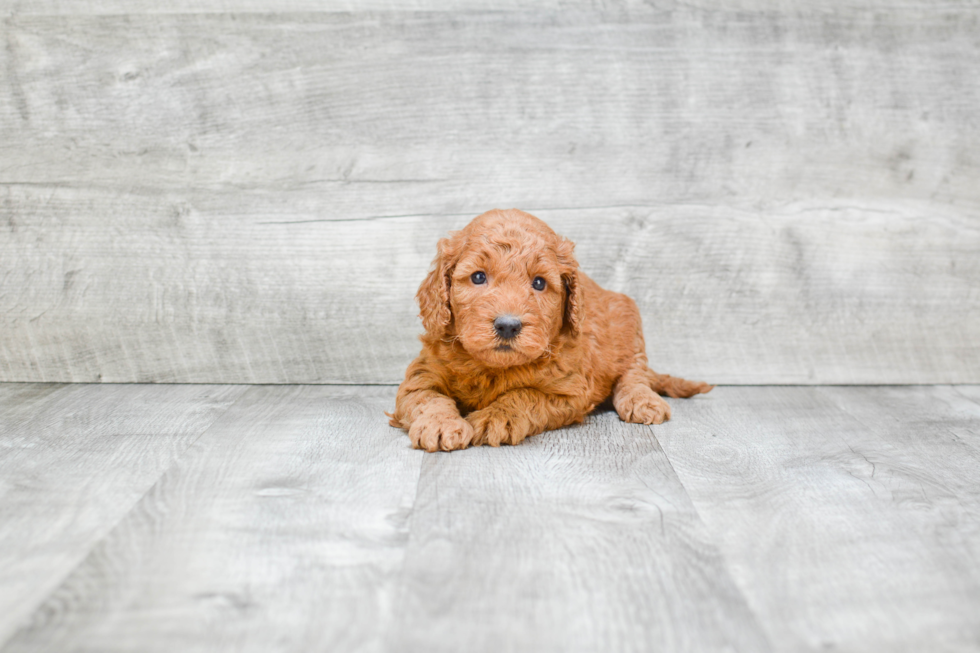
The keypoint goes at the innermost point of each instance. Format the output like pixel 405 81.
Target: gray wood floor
pixel 292 518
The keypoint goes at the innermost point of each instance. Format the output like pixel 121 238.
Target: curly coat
pixel 576 343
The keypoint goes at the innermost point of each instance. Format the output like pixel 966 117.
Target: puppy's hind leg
pixel 636 395
pixel 634 399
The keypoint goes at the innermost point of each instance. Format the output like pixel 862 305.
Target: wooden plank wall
pixel 791 194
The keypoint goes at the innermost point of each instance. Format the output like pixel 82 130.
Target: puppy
pixel 518 341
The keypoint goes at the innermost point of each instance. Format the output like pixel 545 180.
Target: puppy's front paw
pixel 641 405
pixel 496 426
pixel 435 432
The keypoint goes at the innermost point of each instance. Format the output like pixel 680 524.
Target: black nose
pixel 507 326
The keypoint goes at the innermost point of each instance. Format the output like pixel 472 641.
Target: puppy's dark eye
pixel 538 283
pixel 478 278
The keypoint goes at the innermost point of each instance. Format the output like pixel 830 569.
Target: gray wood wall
pixel 790 192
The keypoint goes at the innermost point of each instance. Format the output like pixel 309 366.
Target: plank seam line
pixel 955 388
pixel 763 629
pixel 538 209
pixel 109 531
pixel 400 575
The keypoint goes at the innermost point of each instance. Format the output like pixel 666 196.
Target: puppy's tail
pixel 672 386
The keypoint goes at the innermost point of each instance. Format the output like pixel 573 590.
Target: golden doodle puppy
pixel 518 340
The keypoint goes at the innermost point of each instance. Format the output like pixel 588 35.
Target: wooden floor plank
pixel 790 518
pixel 20 402
pixel 971 392
pixel 281 529
pixel 850 517
pixel 578 540
pixel 73 461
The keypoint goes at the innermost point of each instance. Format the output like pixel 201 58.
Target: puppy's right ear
pixel 433 295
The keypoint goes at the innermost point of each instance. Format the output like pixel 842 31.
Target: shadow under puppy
pixel 518 340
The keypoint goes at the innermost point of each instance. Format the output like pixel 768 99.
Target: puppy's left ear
pixel 568 268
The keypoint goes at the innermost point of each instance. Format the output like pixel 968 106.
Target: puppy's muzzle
pixel 507 326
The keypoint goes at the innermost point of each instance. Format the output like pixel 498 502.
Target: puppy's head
pixel 504 288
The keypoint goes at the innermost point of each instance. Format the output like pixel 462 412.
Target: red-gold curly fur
pixel 578 343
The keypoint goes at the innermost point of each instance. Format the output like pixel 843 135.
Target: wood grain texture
pixel 138 7
pixel 620 7
pixel 773 518
pixel 971 392
pixel 791 195
pixel 580 539
pixel 468 110
pixel 627 8
pixel 73 461
pixel 849 517
pixel 281 529
pixel 203 288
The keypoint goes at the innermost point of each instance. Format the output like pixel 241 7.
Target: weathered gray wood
pixel 131 7
pixel 625 7
pixel 808 518
pixel 792 194
pixel 971 392
pixel 849 517
pixel 527 109
pixel 73 461
pixel 19 402
pixel 581 539
pixel 227 288
pixel 281 529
